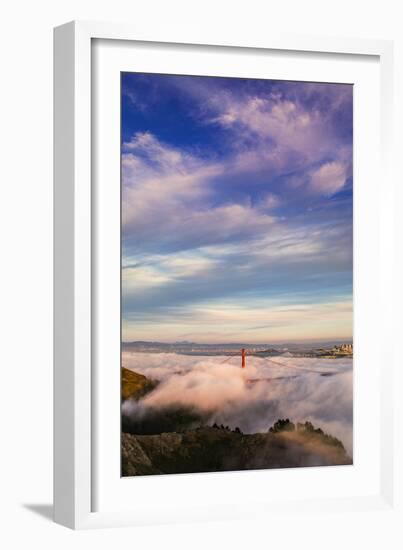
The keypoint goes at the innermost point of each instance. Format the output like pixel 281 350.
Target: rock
pixel 209 449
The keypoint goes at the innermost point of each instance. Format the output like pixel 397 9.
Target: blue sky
pixel 236 209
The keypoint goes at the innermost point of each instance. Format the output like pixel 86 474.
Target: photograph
pixel 236 274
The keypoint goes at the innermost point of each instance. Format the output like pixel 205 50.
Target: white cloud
pixel 288 125
pixel 284 135
pixel 158 271
pixel 160 182
pixel 269 201
pixel 329 178
pixel 167 198
pixel 255 319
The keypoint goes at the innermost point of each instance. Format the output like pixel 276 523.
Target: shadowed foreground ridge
pixel 209 449
pixel 176 440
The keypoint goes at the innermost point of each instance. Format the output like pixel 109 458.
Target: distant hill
pixel 186 344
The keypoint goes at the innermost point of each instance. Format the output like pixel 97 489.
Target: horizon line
pixel 307 341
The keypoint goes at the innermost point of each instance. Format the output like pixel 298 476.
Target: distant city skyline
pixel 237 200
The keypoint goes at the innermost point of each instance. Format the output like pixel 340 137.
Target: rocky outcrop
pixel 176 439
pixel 215 449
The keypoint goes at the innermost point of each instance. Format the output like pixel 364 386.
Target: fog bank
pixel 318 390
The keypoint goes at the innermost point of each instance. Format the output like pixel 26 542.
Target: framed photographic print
pixel 237 304
pixel 219 233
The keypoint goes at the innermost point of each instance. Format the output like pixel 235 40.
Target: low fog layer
pixel 301 389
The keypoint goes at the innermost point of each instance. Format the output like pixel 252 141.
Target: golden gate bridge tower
pixel 243 353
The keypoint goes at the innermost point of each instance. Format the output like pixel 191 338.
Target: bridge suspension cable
pixel 295 367
pixel 243 352
pixel 228 358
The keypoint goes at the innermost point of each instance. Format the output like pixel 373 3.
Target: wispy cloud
pixel 329 178
pixel 176 188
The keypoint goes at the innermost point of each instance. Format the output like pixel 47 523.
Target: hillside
pixel 178 439
pixel 208 449
pixel 134 385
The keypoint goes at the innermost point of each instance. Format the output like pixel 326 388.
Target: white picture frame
pixel 76 209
